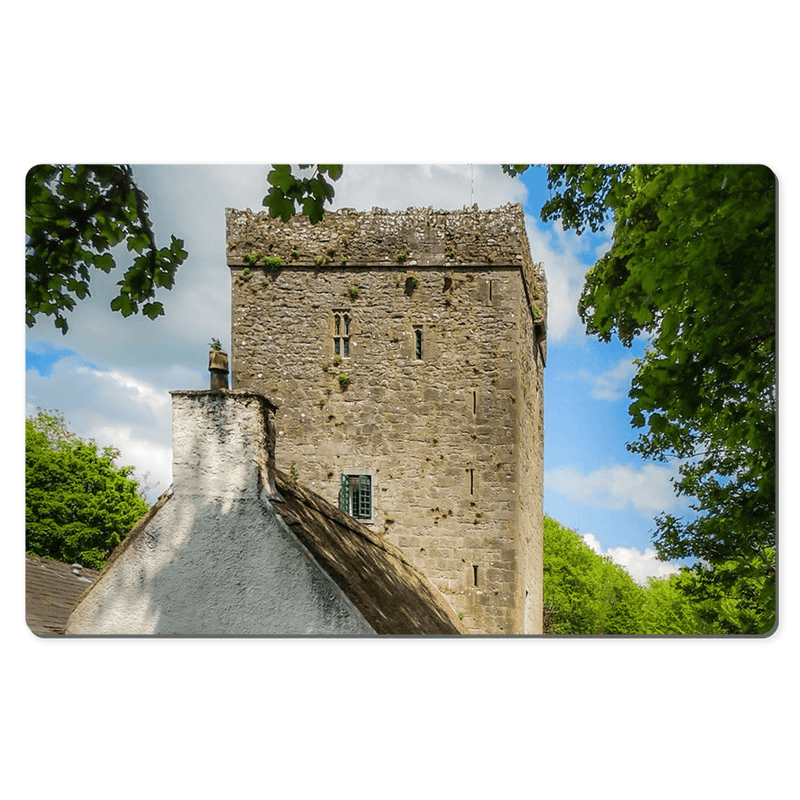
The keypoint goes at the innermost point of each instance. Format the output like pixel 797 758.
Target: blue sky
pixel 111 376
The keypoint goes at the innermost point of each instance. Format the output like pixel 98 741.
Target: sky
pixel 111 376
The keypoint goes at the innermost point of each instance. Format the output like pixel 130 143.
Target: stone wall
pixel 451 440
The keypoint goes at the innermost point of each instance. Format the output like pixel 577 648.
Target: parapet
pixel 420 237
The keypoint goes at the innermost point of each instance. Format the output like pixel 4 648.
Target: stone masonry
pixel 405 353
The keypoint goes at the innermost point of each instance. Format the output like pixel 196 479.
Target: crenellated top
pixel 419 237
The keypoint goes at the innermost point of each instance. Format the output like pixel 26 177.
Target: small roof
pixel 52 590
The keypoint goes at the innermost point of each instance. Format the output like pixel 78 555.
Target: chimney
pixel 223 444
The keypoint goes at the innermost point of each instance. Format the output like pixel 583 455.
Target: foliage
pixel 288 193
pixel 78 504
pixel 692 267
pixel 215 344
pixel 585 593
pixel 734 596
pixel 74 216
pixel 669 609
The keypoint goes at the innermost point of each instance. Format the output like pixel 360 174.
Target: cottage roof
pixel 393 595
pixel 52 590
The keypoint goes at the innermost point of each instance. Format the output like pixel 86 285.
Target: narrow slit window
pixel 418 343
pixel 491 288
pixel 474 402
pixel 341 334
pixel 475 574
pixel 472 481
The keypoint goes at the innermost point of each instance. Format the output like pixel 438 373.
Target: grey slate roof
pixel 52 590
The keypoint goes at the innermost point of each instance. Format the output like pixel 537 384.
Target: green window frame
pixel 355 495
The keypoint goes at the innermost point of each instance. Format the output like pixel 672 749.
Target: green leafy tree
pixel 669 609
pixel 78 504
pixel 75 215
pixel 692 267
pixel 732 596
pixel 585 593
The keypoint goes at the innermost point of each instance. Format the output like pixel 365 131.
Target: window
pixel 355 496
pixel 418 342
pixel 341 334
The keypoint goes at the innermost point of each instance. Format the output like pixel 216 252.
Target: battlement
pixel 414 237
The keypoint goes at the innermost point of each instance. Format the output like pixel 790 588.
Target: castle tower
pixel 405 352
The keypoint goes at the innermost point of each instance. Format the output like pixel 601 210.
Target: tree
pixel 733 596
pixel 78 504
pixel 585 593
pixel 74 216
pixel 692 268
pixel 668 609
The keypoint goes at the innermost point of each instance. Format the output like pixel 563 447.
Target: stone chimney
pixel 223 444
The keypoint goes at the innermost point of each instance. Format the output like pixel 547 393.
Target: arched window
pixel 341 334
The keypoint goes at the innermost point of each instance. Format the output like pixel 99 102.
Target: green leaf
pixel 153 310
pixel 281 177
pixel 334 171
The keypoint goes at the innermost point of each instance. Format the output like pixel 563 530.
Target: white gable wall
pixel 217 559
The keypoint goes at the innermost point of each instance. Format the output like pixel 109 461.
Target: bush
pixel 79 505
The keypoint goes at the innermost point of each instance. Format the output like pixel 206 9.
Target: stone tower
pixel 405 352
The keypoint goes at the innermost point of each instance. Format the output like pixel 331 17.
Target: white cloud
pixel 612 384
pixel 442 186
pixel 642 565
pixel 566 258
pixel 647 489
pixel 114 407
pixel 639 565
